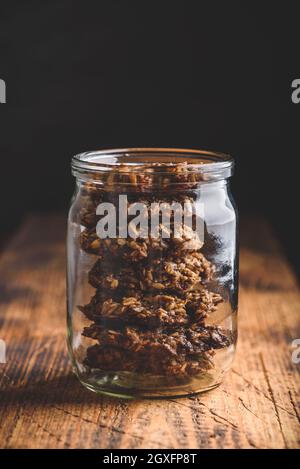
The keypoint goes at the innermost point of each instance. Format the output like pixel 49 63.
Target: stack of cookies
pixel 151 304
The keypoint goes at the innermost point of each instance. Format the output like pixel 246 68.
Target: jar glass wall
pixel 152 271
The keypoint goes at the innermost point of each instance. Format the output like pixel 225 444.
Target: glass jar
pixel 152 271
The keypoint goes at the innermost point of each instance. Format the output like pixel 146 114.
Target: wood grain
pixel 43 406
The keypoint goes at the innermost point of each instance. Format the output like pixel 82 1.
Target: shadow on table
pixel 64 389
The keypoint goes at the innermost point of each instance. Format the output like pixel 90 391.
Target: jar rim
pixel 216 164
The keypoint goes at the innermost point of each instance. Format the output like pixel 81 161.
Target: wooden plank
pixel 43 406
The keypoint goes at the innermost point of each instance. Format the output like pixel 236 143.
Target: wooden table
pixel 43 406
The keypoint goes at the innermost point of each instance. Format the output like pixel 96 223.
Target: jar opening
pixel 213 165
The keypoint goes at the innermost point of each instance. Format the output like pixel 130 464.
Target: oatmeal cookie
pixel 148 311
pixel 115 359
pixel 162 352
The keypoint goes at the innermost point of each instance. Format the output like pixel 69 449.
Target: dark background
pixel 87 75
